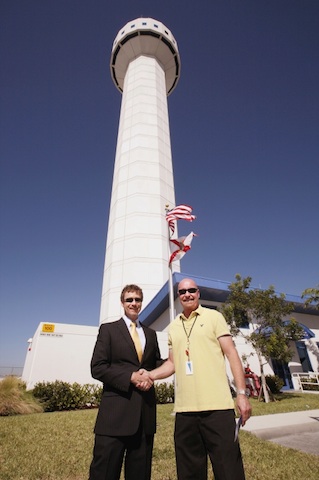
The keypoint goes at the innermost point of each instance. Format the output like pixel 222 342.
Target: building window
pixel 303 356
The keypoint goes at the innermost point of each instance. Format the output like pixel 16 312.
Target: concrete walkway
pixel 298 430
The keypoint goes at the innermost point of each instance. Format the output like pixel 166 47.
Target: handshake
pixel 142 379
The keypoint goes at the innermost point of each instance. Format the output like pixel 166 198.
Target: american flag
pixel 181 212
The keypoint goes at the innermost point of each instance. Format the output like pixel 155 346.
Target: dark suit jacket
pixel 113 362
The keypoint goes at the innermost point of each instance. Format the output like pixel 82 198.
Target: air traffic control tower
pixel 145 67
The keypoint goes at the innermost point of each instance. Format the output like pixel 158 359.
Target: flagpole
pixel 171 295
pixel 170 278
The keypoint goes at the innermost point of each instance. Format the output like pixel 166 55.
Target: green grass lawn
pixel 58 446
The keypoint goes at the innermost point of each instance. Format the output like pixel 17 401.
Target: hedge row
pixel 164 392
pixel 58 395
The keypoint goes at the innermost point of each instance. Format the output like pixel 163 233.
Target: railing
pixel 15 371
pixel 307 381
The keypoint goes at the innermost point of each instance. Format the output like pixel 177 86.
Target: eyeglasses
pixel 182 291
pixel 131 300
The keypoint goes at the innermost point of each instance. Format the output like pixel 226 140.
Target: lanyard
pixel 188 335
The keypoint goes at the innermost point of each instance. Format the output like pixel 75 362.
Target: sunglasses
pixel 182 291
pixel 131 300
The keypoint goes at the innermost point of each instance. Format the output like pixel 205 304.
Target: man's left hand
pixel 243 407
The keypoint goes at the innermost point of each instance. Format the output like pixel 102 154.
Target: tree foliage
pixel 266 313
pixel 311 296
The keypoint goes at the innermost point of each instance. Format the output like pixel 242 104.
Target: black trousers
pixel 200 433
pixel 108 455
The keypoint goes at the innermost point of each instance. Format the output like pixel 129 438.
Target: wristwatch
pixel 241 392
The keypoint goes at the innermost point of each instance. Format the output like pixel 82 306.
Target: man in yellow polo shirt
pixel 199 338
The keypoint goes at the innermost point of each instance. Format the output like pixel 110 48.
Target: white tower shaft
pixel 137 238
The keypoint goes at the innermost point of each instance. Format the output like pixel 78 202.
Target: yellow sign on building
pixel 48 327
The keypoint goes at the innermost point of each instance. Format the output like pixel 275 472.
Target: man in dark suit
pixel 126 421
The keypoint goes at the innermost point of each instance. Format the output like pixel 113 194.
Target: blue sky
pixel 245 142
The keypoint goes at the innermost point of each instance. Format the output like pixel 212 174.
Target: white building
pixel 59 351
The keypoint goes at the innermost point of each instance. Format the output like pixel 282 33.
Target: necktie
pixel 136 340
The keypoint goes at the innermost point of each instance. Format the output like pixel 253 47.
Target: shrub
pixel 58 395
pixel 274 383
pixel 164 392
pixel 15 400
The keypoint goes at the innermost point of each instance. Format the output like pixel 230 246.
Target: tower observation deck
pixel 145 67
pixel 145 36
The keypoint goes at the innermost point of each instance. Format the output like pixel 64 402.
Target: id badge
pixel 189 367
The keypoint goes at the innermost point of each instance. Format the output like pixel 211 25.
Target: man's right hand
pixel 142 379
